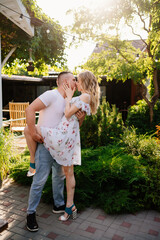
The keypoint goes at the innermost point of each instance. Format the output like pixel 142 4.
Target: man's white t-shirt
pixel 54 111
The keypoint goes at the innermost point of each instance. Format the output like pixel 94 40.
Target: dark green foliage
pixel 109 178
pixel 103 128
pixel 7 152
pixel 148 151
pixel 111 125
pixel 138 116
pixel 146 147
pixel 18 171
pixel 89 132
pixel 46 48
pixel 111 173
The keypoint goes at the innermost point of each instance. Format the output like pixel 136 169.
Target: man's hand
pixel 81 116
pixel 36 106
pixel 37 137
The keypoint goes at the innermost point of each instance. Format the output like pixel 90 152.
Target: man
pixel 51 105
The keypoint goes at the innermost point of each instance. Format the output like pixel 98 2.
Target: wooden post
pixel 3 225
pixel 0 87
pixel 133 92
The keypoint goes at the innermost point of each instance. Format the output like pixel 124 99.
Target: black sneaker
pixel 59 209
pixel 32 223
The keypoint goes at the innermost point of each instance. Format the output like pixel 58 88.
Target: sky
pixel 57 10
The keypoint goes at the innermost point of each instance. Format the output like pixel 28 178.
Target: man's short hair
pixel 61 74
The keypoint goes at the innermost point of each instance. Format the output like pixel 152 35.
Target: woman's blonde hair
pixel 90 85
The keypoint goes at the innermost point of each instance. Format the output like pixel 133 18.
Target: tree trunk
pixel 8 56
pixel 155 96
pixel 151 113
pixel 0 182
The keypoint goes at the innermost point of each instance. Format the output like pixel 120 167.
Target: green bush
pixel 119 177
pixel 18 171
pixel 89 132
pixel 110 175
pixel 105 174
pixel 103 128
pixel 138 116
pixel 140 144
pixel 147 149
pixel 8 154
pixel 130 140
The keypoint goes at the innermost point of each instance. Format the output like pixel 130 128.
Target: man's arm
pixel 35 106
pixel 81 116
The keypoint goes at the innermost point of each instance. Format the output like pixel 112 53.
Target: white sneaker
pixel 30 174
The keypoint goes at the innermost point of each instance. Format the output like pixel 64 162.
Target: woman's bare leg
pixel 70 186
pixel 32 145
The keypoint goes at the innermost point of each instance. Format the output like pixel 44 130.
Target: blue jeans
pixel 44 162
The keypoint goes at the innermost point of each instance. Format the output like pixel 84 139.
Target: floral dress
pixel 63 141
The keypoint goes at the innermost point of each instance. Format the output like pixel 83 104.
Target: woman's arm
pixel 70 109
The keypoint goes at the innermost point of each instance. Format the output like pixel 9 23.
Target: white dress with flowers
pixel 63 141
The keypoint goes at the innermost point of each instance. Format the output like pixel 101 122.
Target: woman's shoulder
pixel 74 99
pixel 82 104
pixel 85 97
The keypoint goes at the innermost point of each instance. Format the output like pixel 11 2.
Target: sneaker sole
pixel 32 230
pixel 58 211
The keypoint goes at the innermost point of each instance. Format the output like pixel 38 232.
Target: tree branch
pixel 118 50
pixel 158 1
pixel 156 90
pixel 143 22
pixel 136 33
pixel 150 21
pixel 8 56
pixel 123 55
pixel 144 92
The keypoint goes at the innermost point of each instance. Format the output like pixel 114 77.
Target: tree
pixel 98 24
pixel 47 45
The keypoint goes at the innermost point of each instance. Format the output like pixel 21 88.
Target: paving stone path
pixel 90 224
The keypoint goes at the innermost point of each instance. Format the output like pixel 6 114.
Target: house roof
pixel 21 78
pixel 28 79
pixel 13 9
pixel 138 44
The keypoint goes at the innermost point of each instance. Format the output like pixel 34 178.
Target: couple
pixel 58 129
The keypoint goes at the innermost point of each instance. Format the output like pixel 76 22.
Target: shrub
pixel 140 145
pixel 89 132
pixel 123 177
pixel 111 125
pixel 105 174
pixel 8 154
pixel 147 148
pixel 138 116
pixel 103 128
pixel 18 171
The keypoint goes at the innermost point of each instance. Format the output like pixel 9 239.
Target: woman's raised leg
pixel 32 145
